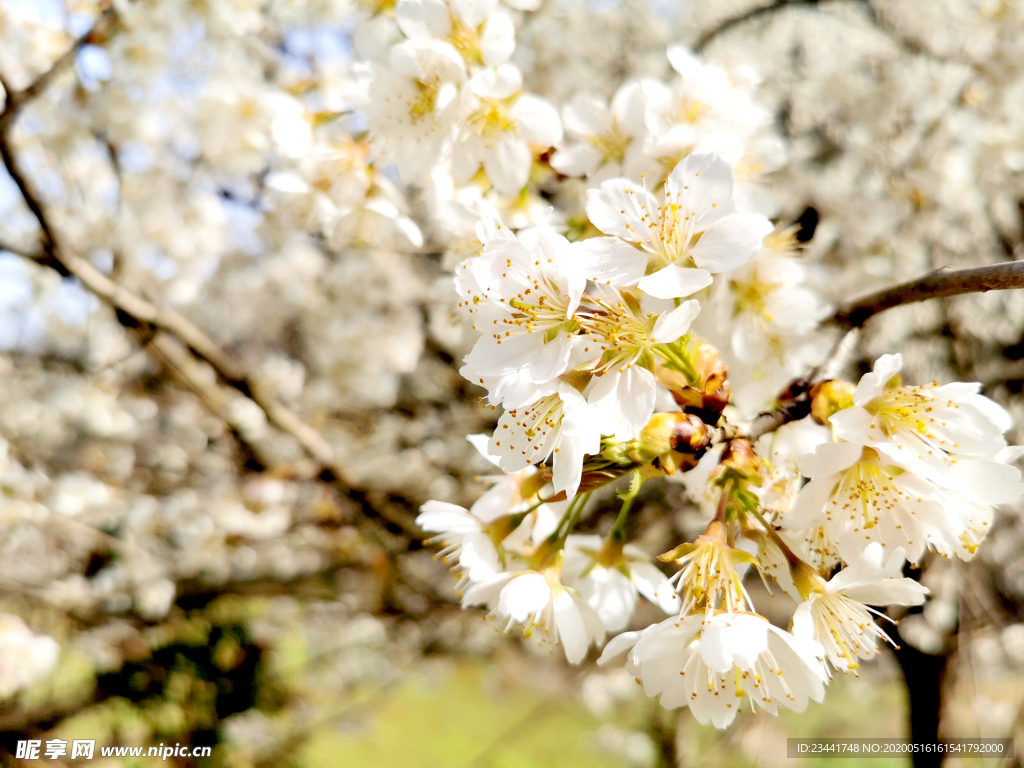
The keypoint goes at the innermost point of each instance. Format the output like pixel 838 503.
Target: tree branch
pixel 734 21
pixel 16 99
pixel 939 284
pixel 147 318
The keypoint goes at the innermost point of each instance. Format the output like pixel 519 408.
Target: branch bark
pixel 159 326
pixel 734 21
pixel 939 284
pixel 100 30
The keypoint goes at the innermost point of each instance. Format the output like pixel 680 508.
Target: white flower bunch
pixel 586 338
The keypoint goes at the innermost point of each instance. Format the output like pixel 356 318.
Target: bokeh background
pixel 173 565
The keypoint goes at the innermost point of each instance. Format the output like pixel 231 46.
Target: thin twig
pixel 830 367
pixel 16 99
pixel 939 284
pixel 734 21
pixel 135 311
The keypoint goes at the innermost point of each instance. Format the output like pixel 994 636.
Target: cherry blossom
pixel 692 234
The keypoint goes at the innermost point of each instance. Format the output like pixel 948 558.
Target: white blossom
pixel 500 127
pixel 692 234
pixel 479 30
pixel 948 434
pixel 610 578
pixel 837 616
pixel 718 665
pixel 559 425
pixel 533 286
pixel 415 105
pixel 860 496
pixel 607 141
pixel 540 602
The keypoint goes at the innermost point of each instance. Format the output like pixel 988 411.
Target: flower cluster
pixel 908 469
pixel 621 345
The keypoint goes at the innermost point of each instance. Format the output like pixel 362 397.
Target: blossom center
pixel 425 100
pixel 492 119
pixel 612 145
pixel 867 490
pixel 466 40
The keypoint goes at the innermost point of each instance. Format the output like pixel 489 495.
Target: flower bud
pixel 705 392
pixel 738 458
pixel 830 397
pixel 664 433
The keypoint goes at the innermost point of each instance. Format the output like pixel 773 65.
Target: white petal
pixel 731 242
pixel 628 397
pixel 507 165
pixel 610 260
pixel 683 61
pixel 829 458
pixel 889 592
pixel 495 502
pixel 733 639
pixel 987 481
pixel 524 353
pixel 572 629
pixel 466 158
pixel 586 116
pixel 852 424
pixel 803 622
pixel 498 40
pixel 580 160
pixel 617 646
pixel 628 107
pixel 810 501
pixel 423 18
pixel 501 83
pixel 479 442
pixel 474 12
pixel 671 325
pixel 622 208
pixel 441 517
pixel 702 186
pixel 568 466
pixel 538 120
pixel 675 282
pixel 872 384
pixel 654 585
pixel 524 596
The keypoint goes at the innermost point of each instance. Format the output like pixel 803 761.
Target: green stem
pixel 569 518
pixel 680 362
pixel 790 555
pixel 576 515
pixel 618 531
pixel 723 502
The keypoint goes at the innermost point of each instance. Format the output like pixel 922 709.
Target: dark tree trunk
pixel 923 673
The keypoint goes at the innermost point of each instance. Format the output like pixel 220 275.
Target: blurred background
pixel 218 547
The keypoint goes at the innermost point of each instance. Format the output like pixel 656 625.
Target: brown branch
pixel 734 21
pixel 100 31
pixel 133 310
pixel 149 319
pixel 906 46
pixel 939 284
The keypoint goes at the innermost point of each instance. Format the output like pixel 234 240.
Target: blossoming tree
pixel 247 244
